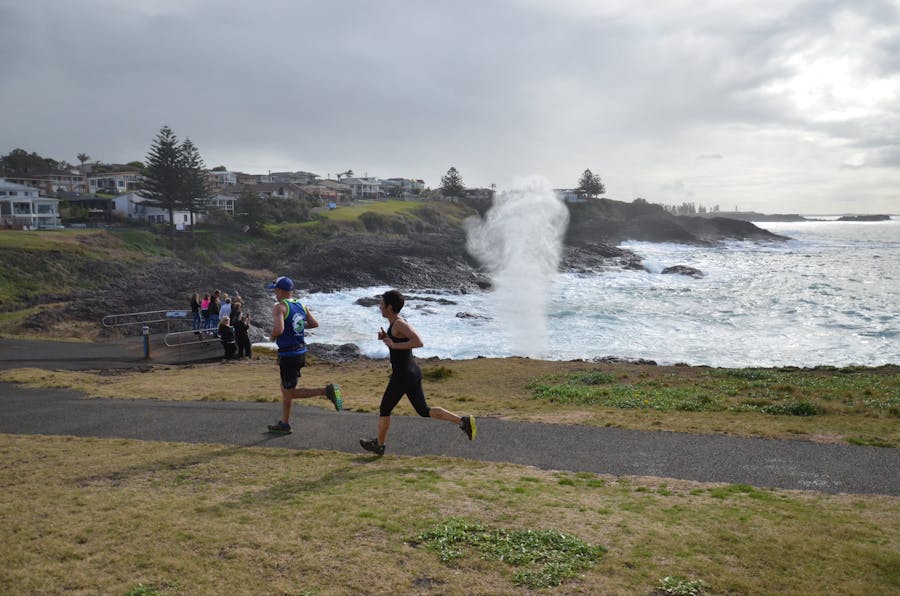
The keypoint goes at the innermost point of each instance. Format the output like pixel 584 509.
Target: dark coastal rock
pixel 415 261
pixel 755 216
pixel 717 229
pixel 468 315
pixel 368 301
pixel 620 360
pixel 335 353
pixel 443 301
pixel 683 270
pixel 594 257
pixel 612 222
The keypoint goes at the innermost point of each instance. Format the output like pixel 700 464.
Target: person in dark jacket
pixel 226 336
pixel 241 333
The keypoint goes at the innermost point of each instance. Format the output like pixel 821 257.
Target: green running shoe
pixel 333 393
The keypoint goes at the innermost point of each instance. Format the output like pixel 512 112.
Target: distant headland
pixel 864 218
pixel 786 217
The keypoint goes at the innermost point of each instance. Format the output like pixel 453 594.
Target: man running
pixel 290 319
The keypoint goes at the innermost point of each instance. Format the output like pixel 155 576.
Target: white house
pixel 21 206
pixel 221 179
pixel 570 195
pixel 115 182
pixel 363 188
pixel 223 202
pixel 299 178
pixel 133 206
pixel 402 187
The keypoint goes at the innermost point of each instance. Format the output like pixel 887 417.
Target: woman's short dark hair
pixel 394 299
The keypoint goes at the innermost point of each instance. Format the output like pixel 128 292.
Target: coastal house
pixel 134 206
pixel 223 179
pixel 285 190
pixel 363 188
pixel 298 178
pixel 21 206
pixel 86 206
pixel 479 193
pixel 52 181
pixel 403 188
pixel 329 191
pixel 570 195
pixel 115 182
pixel 223 202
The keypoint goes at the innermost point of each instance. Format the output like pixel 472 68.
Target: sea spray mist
pixel 519 241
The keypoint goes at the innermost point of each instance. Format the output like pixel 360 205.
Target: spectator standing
pixel 226 336
pixel 214 306
pixel 204 311
pixel 195 312
pixel 225 310
pixel 242 333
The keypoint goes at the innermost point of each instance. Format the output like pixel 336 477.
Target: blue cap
pixel 282 283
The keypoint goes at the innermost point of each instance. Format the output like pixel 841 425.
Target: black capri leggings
pixel 410 384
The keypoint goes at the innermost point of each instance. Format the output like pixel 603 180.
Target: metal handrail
pixel 208 333
pixel 167 315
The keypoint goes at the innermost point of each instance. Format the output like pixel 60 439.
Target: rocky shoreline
pixel 431 258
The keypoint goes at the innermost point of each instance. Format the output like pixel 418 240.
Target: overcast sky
pixel 781 106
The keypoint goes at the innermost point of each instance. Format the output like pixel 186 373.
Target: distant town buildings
pixel 101 192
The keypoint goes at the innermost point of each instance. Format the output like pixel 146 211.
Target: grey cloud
pixel 496 88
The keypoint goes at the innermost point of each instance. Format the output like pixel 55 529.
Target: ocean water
pixel 828 296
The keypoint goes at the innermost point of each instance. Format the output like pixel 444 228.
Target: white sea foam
pixel 829 296
pixel 519 242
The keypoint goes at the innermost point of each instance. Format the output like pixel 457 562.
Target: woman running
pixel 406 376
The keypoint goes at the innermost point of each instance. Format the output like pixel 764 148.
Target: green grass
pixel 543 558
pixel 436 373
pixel 388 208
pixel 144 242
pixel 769 391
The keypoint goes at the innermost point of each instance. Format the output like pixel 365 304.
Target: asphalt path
pixel 762 463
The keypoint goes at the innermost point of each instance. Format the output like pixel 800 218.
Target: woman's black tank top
pixel 401 360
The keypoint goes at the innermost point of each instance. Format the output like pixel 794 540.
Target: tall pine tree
pixel 590 184
pixel 195 188
pixel 163 177
pixel 452 184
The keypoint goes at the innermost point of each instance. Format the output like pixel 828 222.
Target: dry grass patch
pixel 108 516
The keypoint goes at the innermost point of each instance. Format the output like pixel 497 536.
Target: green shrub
pixel 437 373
